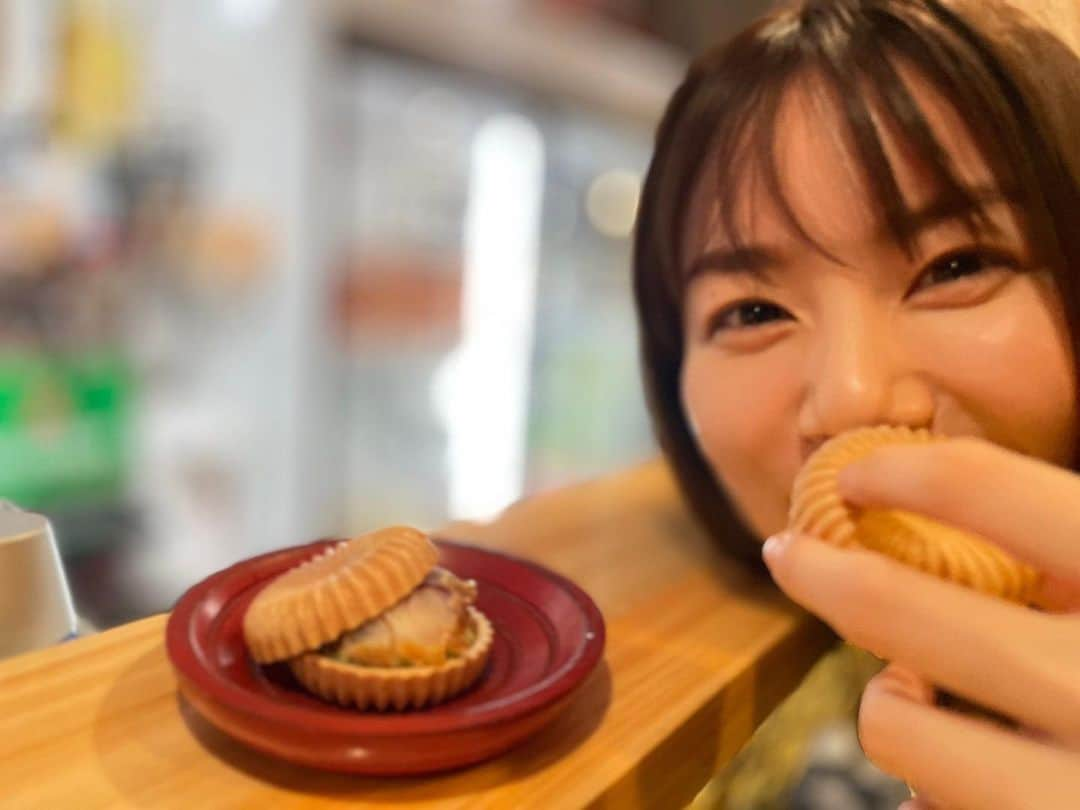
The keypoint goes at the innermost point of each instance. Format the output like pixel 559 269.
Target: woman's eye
pixel 745 315
pixel 962 264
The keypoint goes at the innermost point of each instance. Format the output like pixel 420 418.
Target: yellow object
pixel 95 89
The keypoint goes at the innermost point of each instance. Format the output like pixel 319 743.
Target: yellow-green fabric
pixel 765 772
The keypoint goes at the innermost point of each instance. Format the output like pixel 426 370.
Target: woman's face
pixel 786 347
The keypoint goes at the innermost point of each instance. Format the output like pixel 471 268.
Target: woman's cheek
pixel 742 409
pixel 1009 366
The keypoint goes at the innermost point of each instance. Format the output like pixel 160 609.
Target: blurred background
pixel 272 270
pixel 276 270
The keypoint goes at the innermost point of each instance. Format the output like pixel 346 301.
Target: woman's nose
pixel 858 375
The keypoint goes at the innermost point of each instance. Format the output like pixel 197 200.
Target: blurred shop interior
pixel 276 270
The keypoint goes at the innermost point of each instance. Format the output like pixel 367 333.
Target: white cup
pixel 35 603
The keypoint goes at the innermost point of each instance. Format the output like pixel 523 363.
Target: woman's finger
pixel 958 760
pixel 1027 506
pixel 910 685
pixel 1002 656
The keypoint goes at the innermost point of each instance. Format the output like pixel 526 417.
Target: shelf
pixel 563 55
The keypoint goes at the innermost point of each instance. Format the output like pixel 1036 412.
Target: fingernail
pixel 775 545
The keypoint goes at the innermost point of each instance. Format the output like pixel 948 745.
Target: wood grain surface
pixel 698 653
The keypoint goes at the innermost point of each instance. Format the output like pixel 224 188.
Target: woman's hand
pixel 1018 661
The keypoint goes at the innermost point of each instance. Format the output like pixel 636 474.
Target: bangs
pixel 838 61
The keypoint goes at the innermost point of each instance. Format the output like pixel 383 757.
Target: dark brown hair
pixel 1020 92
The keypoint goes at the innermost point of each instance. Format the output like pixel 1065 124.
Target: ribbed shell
pixel 316 602
pixel 395 688
pixel 931 546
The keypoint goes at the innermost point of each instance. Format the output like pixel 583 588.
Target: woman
pixel 864 212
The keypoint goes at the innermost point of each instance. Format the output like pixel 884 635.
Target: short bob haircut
pixel 1016 83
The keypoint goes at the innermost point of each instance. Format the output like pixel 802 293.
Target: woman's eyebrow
pixel 947 208
pixel 758 260
pixel 753 260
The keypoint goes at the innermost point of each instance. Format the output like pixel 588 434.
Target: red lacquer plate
pixel 549 635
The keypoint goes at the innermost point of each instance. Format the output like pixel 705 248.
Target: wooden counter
pixel 697 654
